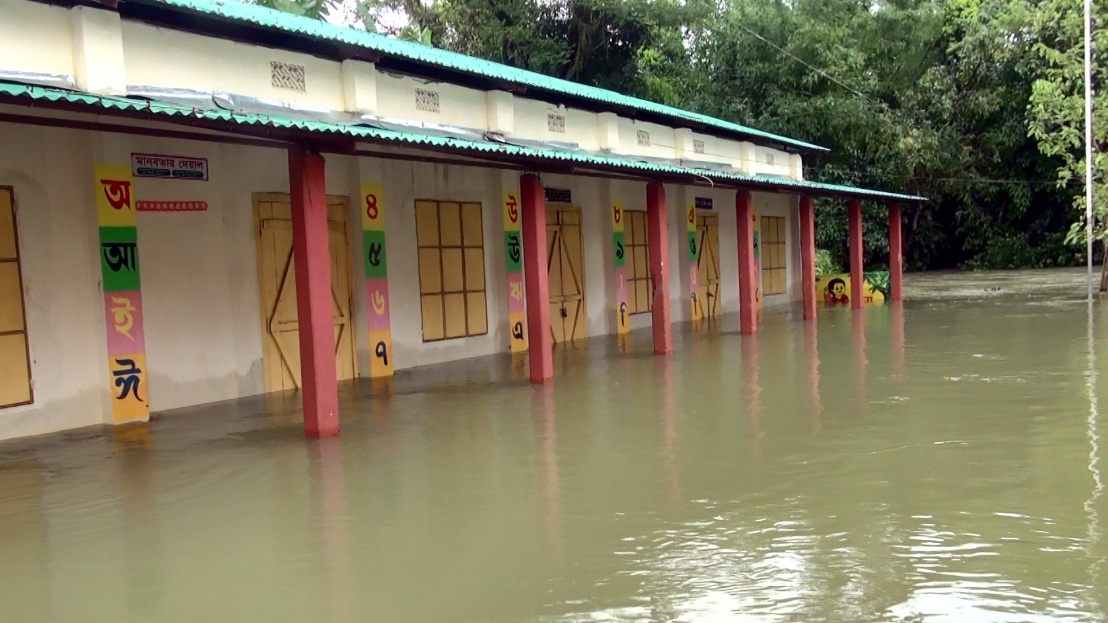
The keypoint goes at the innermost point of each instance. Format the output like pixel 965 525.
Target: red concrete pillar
pixel 314 307
pixel 808 255
pixel 540 352
pixel 658 238
pixel 896 255
pixel 857 276
pixel 748 277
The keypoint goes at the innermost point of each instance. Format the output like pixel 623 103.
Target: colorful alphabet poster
pixel 694 269
pixel 513 255
pixel 835 289
pixel 119 268
pixel 623 320
pixel 376 279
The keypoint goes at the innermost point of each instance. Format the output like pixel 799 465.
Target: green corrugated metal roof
pixel 168 110
pixel 280 20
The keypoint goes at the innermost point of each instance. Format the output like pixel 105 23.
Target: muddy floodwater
pixel 936 462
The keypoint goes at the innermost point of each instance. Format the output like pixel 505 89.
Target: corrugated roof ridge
pixel 264 16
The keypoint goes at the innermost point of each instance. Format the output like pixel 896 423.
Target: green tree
pixel 1057 109
pixel 932 97
pixel 317 9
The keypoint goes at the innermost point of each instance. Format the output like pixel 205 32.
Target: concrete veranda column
pixel 314 309
pixel 857 276
pixel 657 224
pixel 540 351
pixel 748 278
pixel 896 254
pixel 808 255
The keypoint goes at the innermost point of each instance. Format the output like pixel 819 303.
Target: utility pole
pixel 1089 212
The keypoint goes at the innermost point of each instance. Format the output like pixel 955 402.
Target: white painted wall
pixel 61 273
pixel 171 58
pixel 46 26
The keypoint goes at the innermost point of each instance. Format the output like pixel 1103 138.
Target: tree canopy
pixel 975 104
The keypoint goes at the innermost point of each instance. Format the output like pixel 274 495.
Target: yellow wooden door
pixel 707 261
pixel 565 260
pixel 277 288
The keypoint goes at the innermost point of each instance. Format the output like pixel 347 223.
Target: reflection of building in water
pixel 811 356
pixel 752 397
pixel 25 591
pixel 144 577
pixel 663 368
pixel 396 232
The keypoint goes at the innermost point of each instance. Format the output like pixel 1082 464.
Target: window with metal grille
pixel 451 269
pixel 643 137
pixel 15 360
pixel 639 292
pixel 773 255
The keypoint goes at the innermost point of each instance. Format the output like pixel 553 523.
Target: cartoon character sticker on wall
pixel 835 292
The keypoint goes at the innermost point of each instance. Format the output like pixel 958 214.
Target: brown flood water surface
pixel 936 462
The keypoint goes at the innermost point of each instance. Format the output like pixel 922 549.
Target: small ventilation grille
pixel 769 158
pixel 698 146
pixel 427 100
pixel 555 122
pixel 287 76
pixel 644 138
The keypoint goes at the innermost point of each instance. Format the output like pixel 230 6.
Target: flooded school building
pixel 202 201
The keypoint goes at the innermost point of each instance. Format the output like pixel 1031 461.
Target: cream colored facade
pixel 199 269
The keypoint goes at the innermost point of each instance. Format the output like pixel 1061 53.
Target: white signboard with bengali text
pixel 169 167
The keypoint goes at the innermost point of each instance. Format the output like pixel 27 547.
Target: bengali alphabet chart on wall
pixel 623 320
pixel 513 250
pixel 119 266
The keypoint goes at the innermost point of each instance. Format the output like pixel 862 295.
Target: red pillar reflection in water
pixel 546 442
pixel 896 315
pixel 861 363
pixel 752 397
pixel 811 355
pixel 663 374
pixel 329 501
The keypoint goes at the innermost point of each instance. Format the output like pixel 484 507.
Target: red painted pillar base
pixel 540 351
pixel 857 275
pixel 748 276
pixel 896 254
pixel 314 310
pixel 658 238
pixel 808 255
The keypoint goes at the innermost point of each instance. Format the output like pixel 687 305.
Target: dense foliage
pixel 972 103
